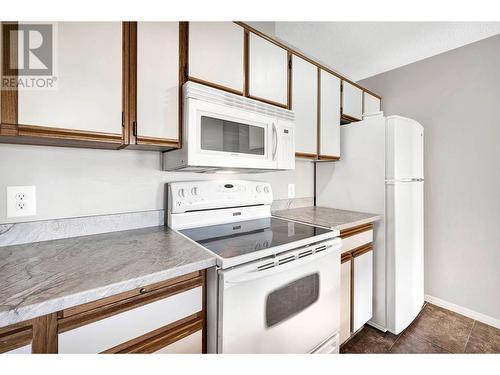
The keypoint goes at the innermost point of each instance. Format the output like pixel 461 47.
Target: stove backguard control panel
pixel 203 195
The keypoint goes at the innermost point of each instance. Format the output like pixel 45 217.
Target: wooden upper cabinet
pixel 86 104
pixel 305 106
pixel 267 71
pixel 216 55
pixel 371 103
pixel 329 116
pixel 352 102
pixel 154 114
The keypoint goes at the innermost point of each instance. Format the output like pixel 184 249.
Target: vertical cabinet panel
pixel 267 71
pixel 329 139
pixel 345 300
pixel 371 104
pixel 363 289
pixel 88 67
pixel 352 101
pixel 305 105
pixel 157 81
pixel 216 54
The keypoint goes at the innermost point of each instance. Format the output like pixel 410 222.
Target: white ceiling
pixel 362 49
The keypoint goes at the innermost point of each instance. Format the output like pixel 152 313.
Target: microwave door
pixel 233 140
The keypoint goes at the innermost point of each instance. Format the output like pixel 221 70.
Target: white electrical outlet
pixel 21 201
pixel 291 190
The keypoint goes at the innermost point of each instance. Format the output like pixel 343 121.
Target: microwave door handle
pixel 275 141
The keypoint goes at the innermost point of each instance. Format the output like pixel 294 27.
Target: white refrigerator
pixel 381 171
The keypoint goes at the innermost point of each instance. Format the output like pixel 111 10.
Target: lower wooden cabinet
pixel 166 317
pixel 356 279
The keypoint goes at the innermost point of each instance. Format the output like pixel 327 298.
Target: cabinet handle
pixel 134 128
pixel 142 291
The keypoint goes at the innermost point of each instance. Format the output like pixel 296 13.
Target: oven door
pixel 228 137
pixel 290 307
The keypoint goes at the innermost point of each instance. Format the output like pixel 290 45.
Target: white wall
pixel 75 182
pixel 456 97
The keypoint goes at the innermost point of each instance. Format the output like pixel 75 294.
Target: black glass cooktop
pixel 234 239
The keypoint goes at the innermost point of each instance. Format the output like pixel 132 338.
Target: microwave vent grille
pixel 201 92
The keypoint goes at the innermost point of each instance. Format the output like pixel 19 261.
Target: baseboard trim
pixel 464 311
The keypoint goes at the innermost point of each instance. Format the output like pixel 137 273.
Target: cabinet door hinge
pixel 186 72
pixel 290 62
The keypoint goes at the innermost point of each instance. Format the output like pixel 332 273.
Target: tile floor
pixel 435 330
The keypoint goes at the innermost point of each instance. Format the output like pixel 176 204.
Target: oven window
pixel 291 299
pixel 229 136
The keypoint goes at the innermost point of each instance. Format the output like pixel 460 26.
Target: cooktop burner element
pixel 243 237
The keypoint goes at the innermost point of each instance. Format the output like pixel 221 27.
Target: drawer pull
pixel 142 291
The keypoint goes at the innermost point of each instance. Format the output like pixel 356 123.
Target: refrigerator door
pixel 405 149
pixel 405 253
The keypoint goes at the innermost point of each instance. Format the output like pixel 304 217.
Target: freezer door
pixel 405 253
pixel 405 149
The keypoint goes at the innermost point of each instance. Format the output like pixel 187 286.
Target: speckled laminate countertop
pixel 45 277
pixel 327 217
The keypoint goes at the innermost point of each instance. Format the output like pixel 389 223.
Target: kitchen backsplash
pixel 19 233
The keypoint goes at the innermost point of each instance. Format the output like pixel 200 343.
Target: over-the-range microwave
pixel 224 132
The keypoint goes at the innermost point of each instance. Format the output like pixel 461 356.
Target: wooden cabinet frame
pixel 13 132
pixel 43 331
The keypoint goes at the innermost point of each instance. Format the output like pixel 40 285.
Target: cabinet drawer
pixel 354 241
pixel 106 333
pixel 191 344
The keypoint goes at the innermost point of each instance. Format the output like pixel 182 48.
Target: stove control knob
pixel 194 191
pixel 181 193
pixel 266 189
pixel 258 188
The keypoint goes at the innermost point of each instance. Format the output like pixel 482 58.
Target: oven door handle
pixel 256 273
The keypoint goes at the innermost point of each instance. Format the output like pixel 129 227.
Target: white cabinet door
pixel 268 71
pixel 329 115
pixel 371 104
pixel 352 101
pixel 158 80
pixel 305 105
pixel 345 300
pixel 192 344
pixel 363 289
pixel 216 54
pixel 88 70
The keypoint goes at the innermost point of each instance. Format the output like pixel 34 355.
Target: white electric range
pixel 276 285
